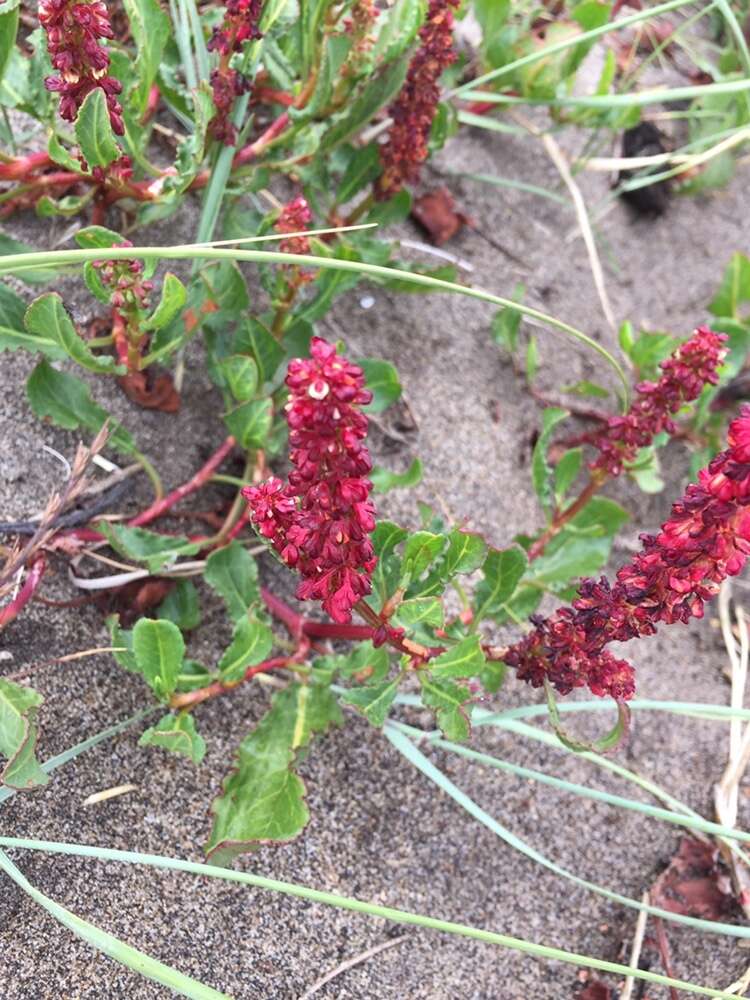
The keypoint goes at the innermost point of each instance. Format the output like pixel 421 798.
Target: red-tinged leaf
pixel 436 213
pixel 151 392
pixel 695 883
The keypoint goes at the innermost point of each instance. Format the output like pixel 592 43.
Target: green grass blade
pixel 509 183
pixel 202 58
pixel 112 946
pixel 16 262
pixel 655 812
pixel 62 758
pixel 632 99
pixel 693 709
pixel 547 50
pixel 359 906
pixel 411 752
pixel 659 793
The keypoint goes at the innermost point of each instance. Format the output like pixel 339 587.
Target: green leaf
pixel 178 734
pixel 12 334
pixel 366 663
pixel 47 318
pixel 159 650
pixel 30 276
pixel 493 675
pixel 68 403
pixel 94 131
pixel 566 472
pixel 398 29
pixel 448 700
pixel 532 360
pixel 586 388
pixel 380 89
pixel 420 550
pixel 251 645
pixel 465 659
pixel 420 611
pixel 363 168
pixel 233 573
pixel 507 321
pixel 262 799
pixel 12 308
pixel 18 711
pixel 173 298
pixel 384 480
pixel 149 547
pixel 240 373
pixel 250 422
pixel 181 606
pixel 150 28
pixel 583 548
pixel 97 238
pixel 502 571
pixel 253 338
pixel 734 288
pixel 8 30
pixel 122 638
pixel 541 473
pixel 373 700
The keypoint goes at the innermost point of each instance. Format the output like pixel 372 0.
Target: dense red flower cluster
pixel 320 521
pixel 415 107
pixel 74 30
pixel 295 216
pixel 226 85
pixel 706 539
pixel 692 366
pixel 240 25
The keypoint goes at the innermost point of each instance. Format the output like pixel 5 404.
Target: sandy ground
pixel 379 830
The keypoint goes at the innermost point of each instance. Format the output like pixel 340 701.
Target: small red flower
pixel 320 521
pixel 74 30
pixel 414 108
pixel 240 25
pixel 295 216
pixel 706 539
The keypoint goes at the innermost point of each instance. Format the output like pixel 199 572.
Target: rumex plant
pixel 306 125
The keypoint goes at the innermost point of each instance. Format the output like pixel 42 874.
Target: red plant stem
pixel 563 517
pixel 24 595
pixel 665 954
pixel 192 698
pixel 242 521
pixel 329 630
pixel 22 166
pixel 199 479
pixel 154 96
pixel 270 96
pixel 280 609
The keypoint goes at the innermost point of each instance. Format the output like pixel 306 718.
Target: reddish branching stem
pixel 200 478
pixel 24 595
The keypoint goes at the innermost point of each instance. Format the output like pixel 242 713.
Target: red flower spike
pixel 415 107
pixel 706 539
pixel 686 371
pixel 74 29
pixel 320 521
pixel 240 25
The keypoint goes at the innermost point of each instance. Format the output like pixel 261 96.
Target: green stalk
pixel 27 261
pixel 411 752
pixel 548 50
pixel 359 906
pixel 630 100
pixel 132 958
